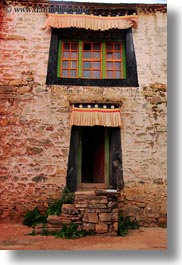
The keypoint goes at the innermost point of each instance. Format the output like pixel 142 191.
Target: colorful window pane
pixel 69 62
pixel 93 60
pixel 114 60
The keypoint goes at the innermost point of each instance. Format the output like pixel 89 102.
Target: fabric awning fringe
pixel 95 116
pixel 90 21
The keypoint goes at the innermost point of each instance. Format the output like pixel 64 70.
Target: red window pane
pixel 113 60
pixel 117 55
pixel 96 65
pixel 109 55
pixel 70 65
pixel 96 46
pixel 73 55
pixel 65 73
pixel 65 64
pixel 66 46
pixel 87 65
pixel 96 74
pixel 73 73
pixel 109 47
pixel 117 74
pixel 92 60
pixel 87 46
pixel 109 65
pixel 87 55
pixel 86 74
pixel 66 54
pixel 74 46
pixel 117 65
pixel 109 74
pixel 96 55
pixel 73 64
pixel 117 46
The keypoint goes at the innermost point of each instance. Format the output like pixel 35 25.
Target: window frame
pixel 102 59
pixel 131 66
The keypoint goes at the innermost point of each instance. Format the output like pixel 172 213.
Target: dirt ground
pixel 14 237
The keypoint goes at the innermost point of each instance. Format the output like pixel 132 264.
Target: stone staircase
pixel 95 210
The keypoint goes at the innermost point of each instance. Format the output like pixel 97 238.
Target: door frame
pixel 106 158
pixel 114 169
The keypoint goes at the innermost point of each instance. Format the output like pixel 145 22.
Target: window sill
pixel 92 82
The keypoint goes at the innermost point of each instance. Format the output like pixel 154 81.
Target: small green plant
pixel 71 231
pixel 125 224
pixel 55 206
pixel 34 217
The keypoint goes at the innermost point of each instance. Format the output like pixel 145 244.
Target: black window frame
pixel 131 66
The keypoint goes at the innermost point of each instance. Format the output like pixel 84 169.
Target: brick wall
pixel 34 120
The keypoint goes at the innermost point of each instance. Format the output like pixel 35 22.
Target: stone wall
pixel 95 211
pixel 34 120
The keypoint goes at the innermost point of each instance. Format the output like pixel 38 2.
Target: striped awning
pixel 95 114
pixel 91 22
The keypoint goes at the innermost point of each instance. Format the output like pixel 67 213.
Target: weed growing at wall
pixel 72 231
pixel 125 224
pixel 32 218
pixel 55 206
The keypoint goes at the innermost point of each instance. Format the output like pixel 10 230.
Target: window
pixel 91 60
pixel 81 57
pixel 69 60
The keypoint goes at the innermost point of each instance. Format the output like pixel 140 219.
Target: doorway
pixel 93 154
pixel 95 158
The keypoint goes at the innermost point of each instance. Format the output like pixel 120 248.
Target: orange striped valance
pixel 92 115
pixel 90 21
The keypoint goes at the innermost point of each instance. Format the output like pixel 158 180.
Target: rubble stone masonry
pixel 34 120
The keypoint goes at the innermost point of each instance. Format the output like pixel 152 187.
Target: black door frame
pixel 115 160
